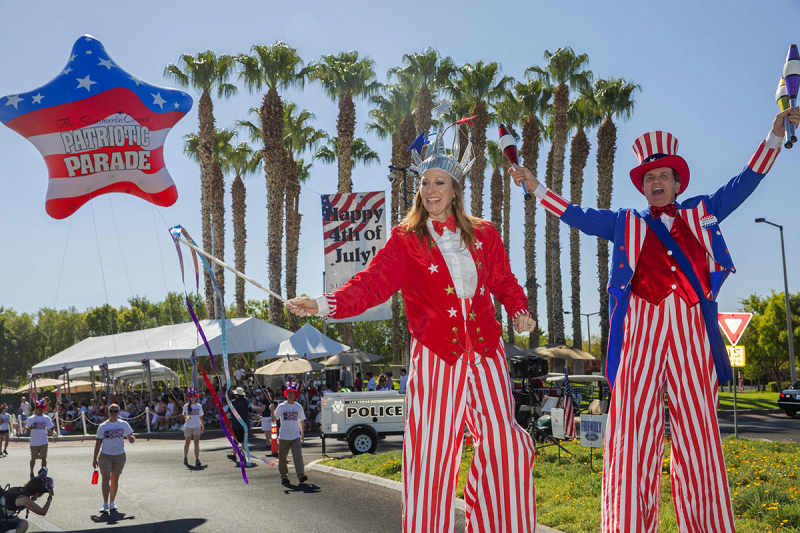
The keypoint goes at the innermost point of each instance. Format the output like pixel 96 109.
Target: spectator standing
pixel 291 436
pixel 5 427
pixel 110 443
pixel 193 413
pixel 403 380
pixel 347 377
pixel 389 381
pixel 371 385
pixel 25 406
pixel 40 427
pixel 358 384
pixel 242 407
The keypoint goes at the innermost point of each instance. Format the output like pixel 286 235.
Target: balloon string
pixel 103 277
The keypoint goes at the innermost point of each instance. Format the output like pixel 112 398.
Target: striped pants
pixel 665 346
pixel 499 492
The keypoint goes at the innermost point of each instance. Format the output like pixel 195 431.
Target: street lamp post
pixel 588 330
pixel 789 329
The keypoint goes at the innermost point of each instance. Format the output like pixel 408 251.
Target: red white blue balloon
pixel 100 130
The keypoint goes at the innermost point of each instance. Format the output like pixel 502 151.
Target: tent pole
pixel 194 361
pixel 149 380
pixel 91 377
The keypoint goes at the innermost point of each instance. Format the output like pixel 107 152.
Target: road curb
pixel 391 484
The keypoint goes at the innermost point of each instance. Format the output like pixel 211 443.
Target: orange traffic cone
pixel 274 435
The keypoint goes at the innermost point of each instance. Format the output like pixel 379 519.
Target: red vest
pixel 658 273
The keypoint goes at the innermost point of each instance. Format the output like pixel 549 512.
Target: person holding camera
pixel 16 499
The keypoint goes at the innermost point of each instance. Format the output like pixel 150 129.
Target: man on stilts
pixel 668 265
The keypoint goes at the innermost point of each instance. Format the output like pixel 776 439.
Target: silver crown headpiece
pixel 436 155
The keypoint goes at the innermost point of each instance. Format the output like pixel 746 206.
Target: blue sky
pixel 708 71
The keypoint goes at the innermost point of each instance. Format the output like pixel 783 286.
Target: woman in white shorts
pixel 111 436
pixel 193 413
pixel 5 428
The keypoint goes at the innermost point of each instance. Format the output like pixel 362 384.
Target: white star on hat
pixel 14 100
pixel 105 63
pixel 37 99
pixel 86 83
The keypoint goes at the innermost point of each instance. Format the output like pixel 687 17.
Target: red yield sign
pixel 734 324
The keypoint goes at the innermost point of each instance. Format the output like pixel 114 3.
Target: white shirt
pixel 26 408
pixel 195 416
pixel 39 426
pixel 458 259
pixel 371 385
pixel 4 420
pixel 290 415
pixel 113 435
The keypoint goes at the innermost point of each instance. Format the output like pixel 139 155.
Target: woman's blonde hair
pixel 416 219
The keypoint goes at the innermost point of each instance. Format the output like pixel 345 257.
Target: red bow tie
pixel 450 224
pixel 669 210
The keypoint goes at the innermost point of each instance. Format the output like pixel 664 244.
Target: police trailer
pixel 362 418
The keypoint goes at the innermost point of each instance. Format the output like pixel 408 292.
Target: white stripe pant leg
pixel 699 478
pixel 432 442
pixel 499 492
pixel 665 346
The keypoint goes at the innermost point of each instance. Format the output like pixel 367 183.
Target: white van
pixel 362 418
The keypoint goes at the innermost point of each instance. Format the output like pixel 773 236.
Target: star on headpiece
pixel 436 156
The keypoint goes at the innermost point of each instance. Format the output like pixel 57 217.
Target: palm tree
pixel 425 73
pixel 477 86
pixel 564 70
pixel 582 113
pixel 242 162
pixel 614 98
pixel 360 152
pixel 277 67
pixel 299 137
pixel 534 97
pixel 508 111
pixel 205 72
pixel 344 77
pixel 216 195
pixel 495 157
pixel 391 117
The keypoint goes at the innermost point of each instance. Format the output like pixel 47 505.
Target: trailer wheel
pixel 362 440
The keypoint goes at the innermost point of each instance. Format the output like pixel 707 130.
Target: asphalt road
pixel 159 494
pixel 774 425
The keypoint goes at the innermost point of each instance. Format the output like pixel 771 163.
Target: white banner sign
pixel 593 430
pixel 557 422
pixel 354 229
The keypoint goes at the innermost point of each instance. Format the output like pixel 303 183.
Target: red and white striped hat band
pixel 658 149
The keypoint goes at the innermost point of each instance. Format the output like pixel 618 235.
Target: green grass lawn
pixel 748 400
pixel 763 478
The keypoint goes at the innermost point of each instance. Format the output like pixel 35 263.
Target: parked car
pixel 789 400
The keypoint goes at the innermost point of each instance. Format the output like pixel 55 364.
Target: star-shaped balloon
pixel 466 120
pixel 419 143
pixel 100 130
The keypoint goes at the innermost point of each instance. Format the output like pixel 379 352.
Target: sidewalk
pixel 390 484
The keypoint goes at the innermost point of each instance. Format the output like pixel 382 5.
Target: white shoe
pixel 104 508
pixel 112 506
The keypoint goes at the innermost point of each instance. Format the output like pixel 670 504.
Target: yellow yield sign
pixel 736 355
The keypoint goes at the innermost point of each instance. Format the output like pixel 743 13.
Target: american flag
pixel 569 412
pixel 100 130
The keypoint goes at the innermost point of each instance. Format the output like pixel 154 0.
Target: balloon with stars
pixel 100 130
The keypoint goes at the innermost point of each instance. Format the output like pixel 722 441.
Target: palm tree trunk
pixel 477 174
pixel 530 156
pixel 238 207
pixel 606 149
pixel 496 207
pixel 205 112
pixel 345 129
pixel 560 103
pixel 218 218
pixel 424 106
pixel 405 136
pixel 292 235
pixel 274 162
pixel 507 235
pixel 579 153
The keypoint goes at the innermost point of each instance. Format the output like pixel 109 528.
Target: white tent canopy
pixel 115 369
pixel 178 341
pixel 307 342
